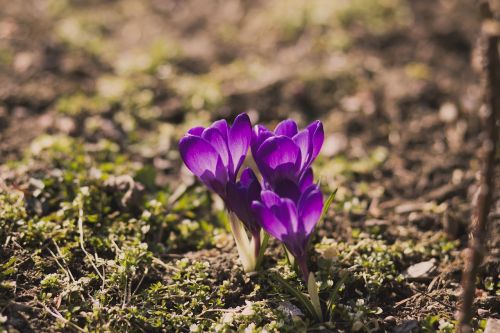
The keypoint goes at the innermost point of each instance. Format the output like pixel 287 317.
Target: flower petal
pixel 237 202
pixel 302 140
pixel 310 208
pixel 317 136
pixel 216 181
pixel 222 126
pixel 215 138
pixel 306 179
pixel 247 177
pixel 198 155
pixel 249 180
pixel 240 196
pixel 287 128
pixel 222 175
pixel 274 152
pixel 284 171
pixel 287 213
pixel 259 135
pixel 239 140
pixel 270 199
pixel 269 221
pixel 196 131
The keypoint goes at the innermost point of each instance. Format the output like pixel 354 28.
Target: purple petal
pixel 310 208
pixel 302 140
pixel 213 184
pixel 306 180
pixel 302 263
pixel 284 171
pixel 239 140
pixel 214 137
pixel 259 135
pixel 287 128
pixel 234 199
pixel 277 151
pixel 216 182
pixel 268 221
pixel 317 136
pixel 247 177
pixel 237 202
pixel 196 131
pixel 221 174
pixel 270 199
pixel 251 185
pixel 287 214
pixel 297 245
pixel 249 180
pixel 240 196
pixel 198 155
pixel 222 127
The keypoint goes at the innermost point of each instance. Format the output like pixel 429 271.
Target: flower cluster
pixel 286 203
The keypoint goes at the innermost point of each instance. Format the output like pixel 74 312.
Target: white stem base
pixel 244 245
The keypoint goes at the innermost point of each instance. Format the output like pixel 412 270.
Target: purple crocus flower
pixel 240 196
pixel 284 157
pixel 291 222
pixel 215 154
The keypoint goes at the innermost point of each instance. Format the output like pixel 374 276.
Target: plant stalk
pixel 243 244
pixel 489 42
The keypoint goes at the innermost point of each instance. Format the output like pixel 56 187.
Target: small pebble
pixel 448 112
pixel 482 312
pixel 422 269
pixel 391 320
pixel 492 326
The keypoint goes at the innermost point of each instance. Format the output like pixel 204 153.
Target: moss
pixel 98 254
pixel 258 317
pixel 343 166
pixel 290 19
pixel 79 103
pixel 12 214
pixel 375 16
pixel 372 263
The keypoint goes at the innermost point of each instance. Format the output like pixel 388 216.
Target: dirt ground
pixel 102 229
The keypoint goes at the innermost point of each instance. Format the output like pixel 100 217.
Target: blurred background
pixel 94 90
pixel 389 77
pixel 392 81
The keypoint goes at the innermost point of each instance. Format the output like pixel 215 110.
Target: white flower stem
pixel 243 244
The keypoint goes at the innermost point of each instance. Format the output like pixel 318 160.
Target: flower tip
pixel 255 204
pixel 242 122
pixel 196 131
pixel 287 128
pixel 243 116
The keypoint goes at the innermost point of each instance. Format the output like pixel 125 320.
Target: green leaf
pixel 303 299
pixel 327 205
pixel 290 259
pixel 312 289
pixel 262 250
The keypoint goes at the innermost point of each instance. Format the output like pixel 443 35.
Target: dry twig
pixel 491 80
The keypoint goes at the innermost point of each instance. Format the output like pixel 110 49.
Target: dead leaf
pixel 421 270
